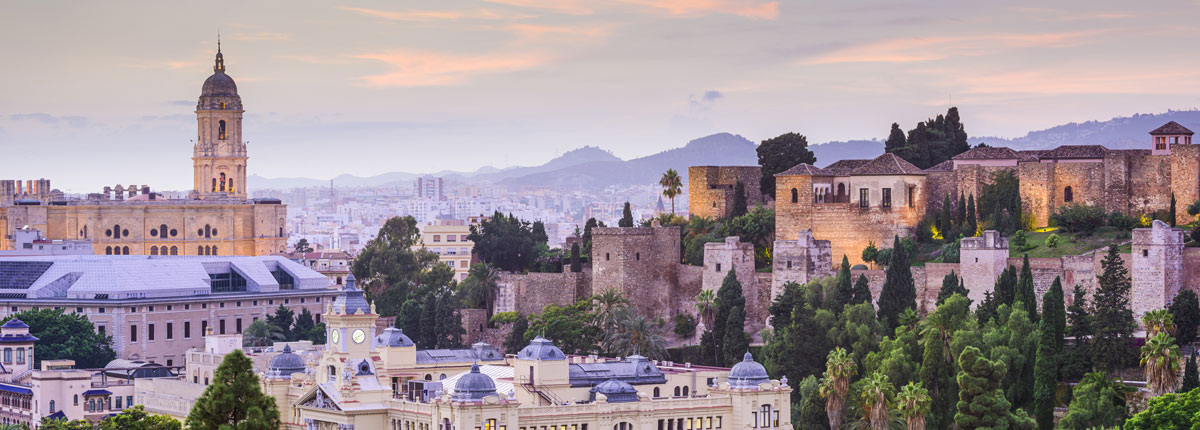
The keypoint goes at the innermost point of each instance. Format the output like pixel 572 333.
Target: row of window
pixel 160 232
pixel 583 426
pixel 19 355
pixel 187 329
pixel 450 238
pixel 697 423
pixel 16 400
pixel 186 306
pixel 864 196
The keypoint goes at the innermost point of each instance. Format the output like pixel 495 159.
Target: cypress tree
pixel 1049 353
pixel 987 309
pixel 576 265
pixel 739 201
pixel 1172 209
pixel 946 218
pixel 1006 286
pixel 626 217
pixel 1191 380
pixel 1078 360
pixel 844 294
pixel 895 139
pixel 960 220
pixel 899 292
pixel 972 220
pixel 1185 310
pixel 862 290
pixel 1113 323
pixel 234 400
pixel 729 296
pixel 951 285
pixel 736 342
pixel 1025 293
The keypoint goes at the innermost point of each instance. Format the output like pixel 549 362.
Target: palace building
pixel 215 218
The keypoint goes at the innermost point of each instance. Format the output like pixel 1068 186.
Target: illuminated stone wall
pixel 710 188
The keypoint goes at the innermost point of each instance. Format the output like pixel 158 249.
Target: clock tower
pixel 350 331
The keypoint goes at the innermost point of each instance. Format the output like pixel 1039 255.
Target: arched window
pixel 214 250
pixel 199 250
pixel 221 130
pixel 222 179
pixel 108 250
pixel 428 377
pixel 685 391
pixel 162 231
pixel 656 392
pixel 207 230
pixel 841 190
pixel 125 250
pixel 51 406
pixel 676 391
pixel 214 185
pixel 153 250
pixel 174 251
pixel 1068 195
pixel 795 196
pixel 231 185
pixel 76 400
pixel 117 231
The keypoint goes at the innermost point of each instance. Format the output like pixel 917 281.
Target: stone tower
pixel 1157 264
pixel 219 158
pixel 800 261
pixel 981 260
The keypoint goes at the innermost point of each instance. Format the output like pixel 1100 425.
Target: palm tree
pixel 913 401
pixel 635 334
pixel 606 306
pixel 875 392
pixel 839 368
pixel 706 303
pixel 1158 321
pixel 672 186
pixel 486 280
pixel 1161 357
pixel 260 333
pixel 700 226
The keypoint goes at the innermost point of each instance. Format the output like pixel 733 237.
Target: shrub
pixel 1078 218
pixel 1019 240
pixel 1052 241
pixel 950 251
pixel 1121 221
pixel 685 325
pixel 925 229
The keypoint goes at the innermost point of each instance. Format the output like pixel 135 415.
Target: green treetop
pixel 234 400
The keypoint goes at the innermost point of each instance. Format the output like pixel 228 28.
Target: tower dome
pixel 351 299
pixel 474 386
pixel 286 363
pixel 393 337
pixel 748 373
pixel 219 84
pixel 616 391
pixel 541 349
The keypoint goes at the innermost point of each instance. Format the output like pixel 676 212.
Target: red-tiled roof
pixel 844 167
pixel 987 153
pixel 1031 154
pixel 1066 152
pixel 804 169
pixel 945 166
pixel 1172 127
pixel 887 164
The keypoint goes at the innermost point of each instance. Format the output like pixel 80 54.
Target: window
pixel 187 329
pixel 125 250
pixel 150 332
pixel 128 400
pixel 51 406
pixel 238 324
pixel 203 327
pixel 864 197
pixel 656 394
pixel 887 198
pixel 153 250
pixel 1145 252
pixel 437 238
pixel 221 130
pixel 685 391
pixel 1068 195
pixel 132 333
pixel 795 196
pixel 1160 142
pixel 20 355
pixel 718 267
pixel 170 331
pixel 910 195
pixel 100 328
pixel 118 402
pixel 8 355
pixel 174 250
pixel 606 257
pixel 221 329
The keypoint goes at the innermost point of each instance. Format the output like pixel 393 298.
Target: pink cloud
pixel 434 15
pixel 918 49
pixel 422 68
pixel 569 7
pixel 743 8
pixel 538 32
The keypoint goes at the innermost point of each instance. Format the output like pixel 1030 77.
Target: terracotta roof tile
pixel 1031 154
pixel 804 169
pixel 887 164
pixel 987 153
pixel 1172 127
pixel 844 167
pixel 945 166
pixel 1067 152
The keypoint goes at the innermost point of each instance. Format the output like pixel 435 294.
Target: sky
pixel 103 93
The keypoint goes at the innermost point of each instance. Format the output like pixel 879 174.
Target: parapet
pixel 1159 233
pixel 991 239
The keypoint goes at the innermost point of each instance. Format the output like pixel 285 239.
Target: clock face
pixel 333 336
pixel 358 336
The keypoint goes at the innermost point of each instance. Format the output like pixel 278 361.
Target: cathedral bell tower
pixel 219 158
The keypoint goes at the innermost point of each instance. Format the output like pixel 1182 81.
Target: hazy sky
pixel 100 93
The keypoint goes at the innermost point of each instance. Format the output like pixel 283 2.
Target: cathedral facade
pixel 216 218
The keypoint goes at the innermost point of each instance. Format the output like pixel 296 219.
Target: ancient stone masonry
pixel 732 255
pixel 982 259
pixel 640 262
pixel 800 261
pixel 1157 267
pixel 710 188
pixel 528 293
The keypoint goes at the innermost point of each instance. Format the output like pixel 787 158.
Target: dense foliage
pixel 931 142
pixel 780 153
pixel 1000 203
pixel 507 242
pixel 66 336
pixel 1078 218
pixel 234 400
pixel 390 271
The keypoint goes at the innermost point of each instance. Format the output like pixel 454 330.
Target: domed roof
pixel 748 373
pixel 287 363
pixel 15 323
pixel 616 391
pixel 541 349
pixel 351 299
pixel 474 386
pixel 393 337
pixel 219 84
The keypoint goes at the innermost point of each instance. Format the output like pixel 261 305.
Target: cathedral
pixel 216 217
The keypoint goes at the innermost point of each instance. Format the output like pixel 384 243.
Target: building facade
pixel 448 239
pixel 216 218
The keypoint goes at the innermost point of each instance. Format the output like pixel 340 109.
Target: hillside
pixel 1118 133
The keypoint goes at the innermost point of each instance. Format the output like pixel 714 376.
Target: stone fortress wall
pixel 710 188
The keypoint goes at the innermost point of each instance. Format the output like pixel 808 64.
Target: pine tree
pixel 1049 353
pixel 1006 286
pixel 304 325
pixel 234 400
pixel 987 309
pixel 1185 310
pixel 283 319
pixel 626 217
pixel 951 285
pixel 981 401
pixel 972 220
pixel 1025 292
pixel 899 292
pixel 729 296
pixel 1191 380
pixel 844 294
pixel 895 140
pixel 739 201
pixel 862 290
pixel 1078 360
pixel 1114 323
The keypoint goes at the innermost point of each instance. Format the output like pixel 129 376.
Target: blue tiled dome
pixel 351 299
pixel 15 323
pixel 748 373
pixel 474 386
pixel 616 391
pixel 287 363
pixel 393 337
pixel 541 349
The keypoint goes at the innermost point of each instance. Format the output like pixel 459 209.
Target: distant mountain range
pixel 592 168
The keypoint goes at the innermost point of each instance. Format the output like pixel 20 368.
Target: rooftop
pixel 1069 152
pixel 987 153
pixel 887 164
pixel 1171 127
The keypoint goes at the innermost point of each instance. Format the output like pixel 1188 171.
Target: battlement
pixel 991 239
